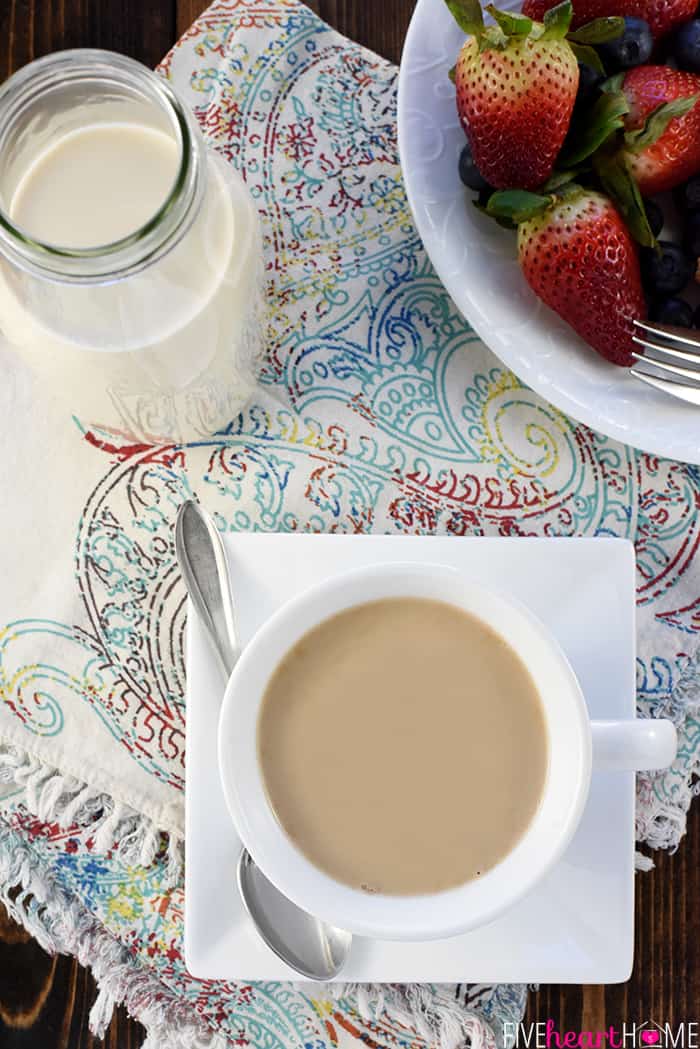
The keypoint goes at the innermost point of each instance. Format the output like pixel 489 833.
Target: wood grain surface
pixel 44 1002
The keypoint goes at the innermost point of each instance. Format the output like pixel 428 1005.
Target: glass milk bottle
pixel 130 255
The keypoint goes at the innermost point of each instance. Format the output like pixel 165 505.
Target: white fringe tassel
pixel 661 823
pixel 54 797
pixel 62 925
pixel 433 1012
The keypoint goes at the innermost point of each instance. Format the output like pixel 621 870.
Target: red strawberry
pixel 516 87
pixel 662 15
pixel 662 140
pixel 578 257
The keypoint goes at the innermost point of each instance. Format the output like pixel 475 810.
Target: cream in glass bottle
pixel 131 256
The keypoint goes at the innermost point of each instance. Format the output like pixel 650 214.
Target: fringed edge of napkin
pixel 661 814
pixel 114 827
pixel 62 925
pixel 434 1012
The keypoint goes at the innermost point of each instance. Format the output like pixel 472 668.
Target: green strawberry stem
pixel 468 16
pixel 588 55
pixel 557 21
pixel 517 205
pixel 511 25
pixel 656 123
pixel 613 85
pixel 503 222
pixel 513 206
pixel 599 31
pixel 604 119
pixel 558 179
pixel 612 168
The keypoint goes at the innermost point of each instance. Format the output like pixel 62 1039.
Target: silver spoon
pixel 305 943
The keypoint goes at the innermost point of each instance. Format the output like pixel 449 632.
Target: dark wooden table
pixel 44 1002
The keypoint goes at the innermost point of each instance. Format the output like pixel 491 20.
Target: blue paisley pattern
pixel 378 410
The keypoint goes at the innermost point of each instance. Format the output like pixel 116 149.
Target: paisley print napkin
pixel 378 410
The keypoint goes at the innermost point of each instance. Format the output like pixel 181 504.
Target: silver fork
pixel 669 359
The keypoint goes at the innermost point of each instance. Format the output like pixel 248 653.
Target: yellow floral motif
pixel 122 907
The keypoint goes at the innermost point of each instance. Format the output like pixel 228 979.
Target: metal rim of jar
pixel 163 230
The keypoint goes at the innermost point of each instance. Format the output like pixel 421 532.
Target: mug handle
pixel 634 745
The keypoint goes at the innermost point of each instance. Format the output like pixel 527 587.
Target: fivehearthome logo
pixel 646 1035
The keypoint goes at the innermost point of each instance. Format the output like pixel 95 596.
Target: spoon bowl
pixel 312 947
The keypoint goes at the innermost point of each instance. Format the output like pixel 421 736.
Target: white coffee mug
pixel 574 744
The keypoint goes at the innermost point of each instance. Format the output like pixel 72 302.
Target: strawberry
pixel 516 86
pixel 662 15
pixel 641 137
pixel 579 258
pixel 662 127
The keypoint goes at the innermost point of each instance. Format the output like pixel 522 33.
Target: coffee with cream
pixel 403 746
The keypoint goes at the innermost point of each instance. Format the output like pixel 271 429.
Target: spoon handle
pixel 202 561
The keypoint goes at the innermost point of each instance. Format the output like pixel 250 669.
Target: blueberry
pixel 589 80
pixel 691 234
pixel 687 196
pixel 631 48
pixel 667 271
pixel 686 46
pixel 672 311
pixel 655 216
pixel 469 172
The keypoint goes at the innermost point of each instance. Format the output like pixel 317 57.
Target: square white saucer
pixel 577 926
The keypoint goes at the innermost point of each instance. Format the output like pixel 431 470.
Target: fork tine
pixel 670 351
pixel 675 389
pixel 675 334
pixel 688 376
pixel 675 369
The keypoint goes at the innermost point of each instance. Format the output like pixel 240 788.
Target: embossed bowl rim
pixel 476 262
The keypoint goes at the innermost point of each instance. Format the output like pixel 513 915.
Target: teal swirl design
pixel 35 691
pixel 379 410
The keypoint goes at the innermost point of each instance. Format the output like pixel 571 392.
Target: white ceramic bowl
pixel 407 917
pixel 477 263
